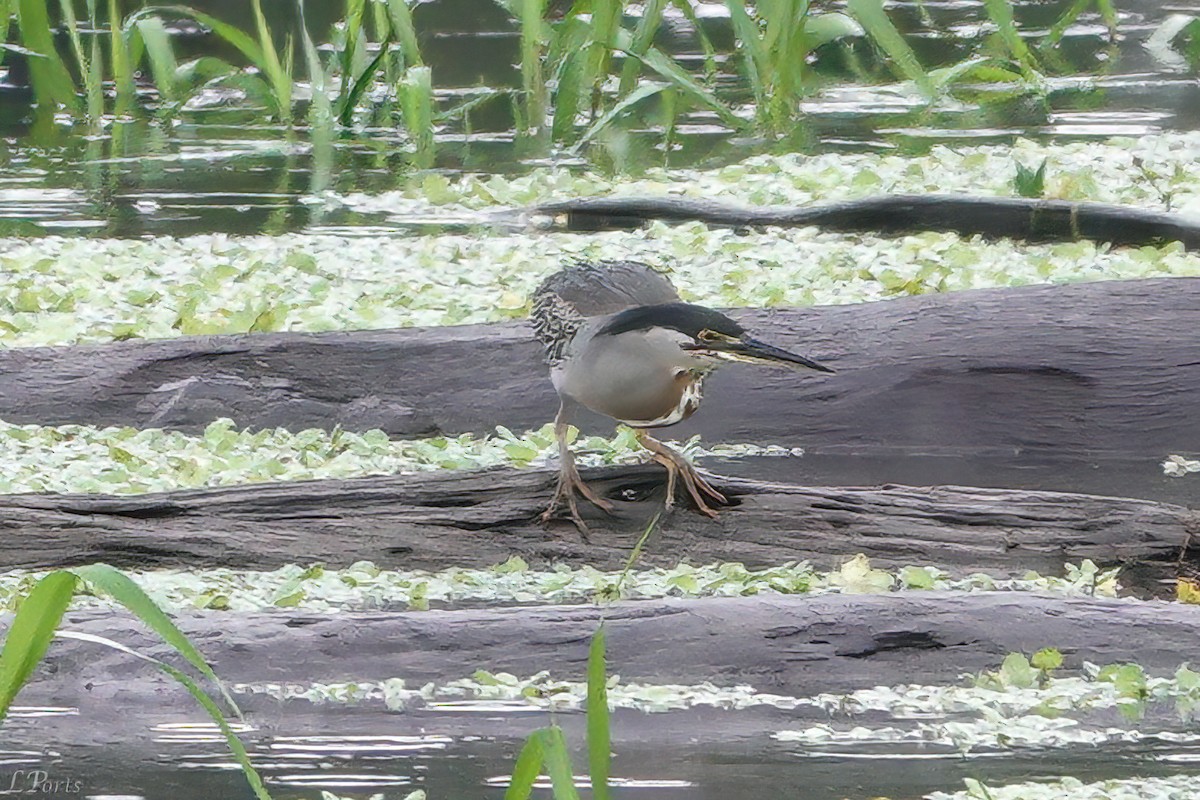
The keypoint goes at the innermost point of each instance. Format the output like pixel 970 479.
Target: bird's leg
pixel 569 481
pixel 677 465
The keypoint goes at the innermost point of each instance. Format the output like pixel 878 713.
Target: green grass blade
pixel 118 586
pixel 320 109
pixel 599 740
pixel 31 631
pixel 161 55
pixel 982 70
pixel 528 767
pixel 92 87
pixel 278 75
pixel 363 82
pixel 879 27
pixel 120 60
pixel 1001 14
pixel 241 40
pixel 688 10
pixel 558 764
pixel 95 80
pixel 825 28
pixel 656 60
pixel 403 31
pixel 7 9
pixel 636 553
pixel 235 744
pixel 416 102
pixel 754 56
pixel 638 95
pixel 52 83
pixel 533 79
pixel 606 27
pixel 569 97
pixel 643 37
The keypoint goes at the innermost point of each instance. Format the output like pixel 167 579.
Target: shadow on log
pixel 795 644
pixel 1081 388
pixel 478 519
pixel 1024 218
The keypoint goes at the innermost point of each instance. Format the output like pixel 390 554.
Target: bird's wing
pixel 570 295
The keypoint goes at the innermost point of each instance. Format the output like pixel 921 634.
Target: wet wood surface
pixel 787 644
pixel 476 519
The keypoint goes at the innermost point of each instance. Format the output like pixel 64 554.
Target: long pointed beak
pixel 755 352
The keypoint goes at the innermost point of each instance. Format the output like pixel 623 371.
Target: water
pixel 225 170
pixel 699 754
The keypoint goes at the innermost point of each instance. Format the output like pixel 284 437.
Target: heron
pixel 621 342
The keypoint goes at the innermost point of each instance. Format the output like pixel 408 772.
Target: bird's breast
pixel 688 394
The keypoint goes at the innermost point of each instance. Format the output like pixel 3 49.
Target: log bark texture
pixel 1079 388
pixel 1030 219
pixel 786 644
pixel 477 519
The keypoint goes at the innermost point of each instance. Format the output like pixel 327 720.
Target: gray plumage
pixel 621 343
pixel 567 298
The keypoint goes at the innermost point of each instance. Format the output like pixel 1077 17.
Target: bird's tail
pixel 579 291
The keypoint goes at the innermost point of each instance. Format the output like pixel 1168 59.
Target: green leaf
pixel 983 69
pixel 403 31
pixel 558 764
pixel 31 631
pixel 1029 182
pixel 416 101
pixel 656 60
pixel 641 93
pixel 235 744
pixel 917 578
pixel 107 580
pixel 599 739
pixel 528 767
pixel 1128 679
pixel 121 60
pixel 754 55
pixel 52 83
pixel 821 29
pixel 643 37
pixel 533 83
pixel 276 71
pixel 568 96
pixel 7 9
pixel 363 82
pixel 871 15
pixel 1001 14
pixel 1047 659
pixel 162 57
pixel 1017 672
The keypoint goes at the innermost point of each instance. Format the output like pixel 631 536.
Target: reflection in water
pixel 42 711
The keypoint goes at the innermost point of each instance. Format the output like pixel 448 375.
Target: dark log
pixel 477 519
pixel 1030 219
pixel 795 645
pixel 1079 388
pixel 787 644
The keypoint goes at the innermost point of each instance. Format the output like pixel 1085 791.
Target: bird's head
pixel 713 335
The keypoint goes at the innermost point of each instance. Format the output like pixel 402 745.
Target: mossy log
pixel 440 520
pixel 1082 388
pixel 1029 219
